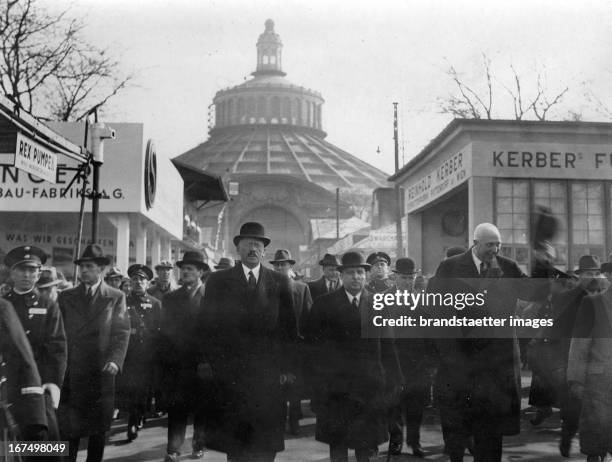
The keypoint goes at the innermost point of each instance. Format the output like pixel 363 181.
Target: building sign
pixel 450 172
pixel 543 160
pixel 35 158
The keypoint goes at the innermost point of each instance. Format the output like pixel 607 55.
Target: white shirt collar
pixel 351 296
pixel 255 271
pixel 18 292
pixel 94 287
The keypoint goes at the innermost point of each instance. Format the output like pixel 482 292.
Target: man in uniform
pixel 379 274
pixel 43 324
pixel 330 281
pixel 98 331
pixel 136 383
pixel 248 349
pixel 163 283
pixel 22 410
pixel 283 263
pixel 413 357
pixel 181 389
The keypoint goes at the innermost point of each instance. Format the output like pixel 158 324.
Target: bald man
pixel 478 380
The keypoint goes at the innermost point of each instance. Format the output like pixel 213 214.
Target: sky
pixel 361 55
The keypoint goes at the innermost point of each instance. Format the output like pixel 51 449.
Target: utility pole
pixel 398 190
pixel 337 213
pixel 99 133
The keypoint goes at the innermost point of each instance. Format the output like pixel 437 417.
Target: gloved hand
pixel 110 368
pixel 54 392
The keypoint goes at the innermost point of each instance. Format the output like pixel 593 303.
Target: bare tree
pixel 527 100
pixel 47 68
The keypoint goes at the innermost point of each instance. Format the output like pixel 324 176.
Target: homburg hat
pixel 329 260
pixel 282 255
pixel 375 257
pixel 193 257
pixel 252 230
pixel 25 255
pixel 140 270
pixel 588 263
pixel 224 263
pixel 404 266
pixel 354 260
pixel 94 253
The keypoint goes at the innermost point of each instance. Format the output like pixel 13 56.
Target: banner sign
pixel 35 158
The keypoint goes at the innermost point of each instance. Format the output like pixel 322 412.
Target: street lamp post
pixel 398 190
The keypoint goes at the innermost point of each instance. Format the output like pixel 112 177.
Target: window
pixel 588 235
pixel 553 195
pixel 512 218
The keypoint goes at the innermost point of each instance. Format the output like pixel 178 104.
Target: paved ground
pixel 533 444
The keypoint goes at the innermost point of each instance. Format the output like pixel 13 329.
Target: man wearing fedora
pixel 42 321
pixel 248 352
pixel 565 310
pixel 49 283
pixel 136 384
pixel 98 331
pixel 283 263
pixel 415 362
pixel 330 281
pixel 180 388
pixel 352 373
pixel 164 282
pixel 114 277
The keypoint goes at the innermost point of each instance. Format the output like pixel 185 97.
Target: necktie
pixel 252 281
pixel 89 294
pixel 483 269
pixel 332 286
pixel 355 304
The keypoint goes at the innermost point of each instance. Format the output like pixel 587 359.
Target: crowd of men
pixel 238 349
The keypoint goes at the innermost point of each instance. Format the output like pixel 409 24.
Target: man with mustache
pixel 249 332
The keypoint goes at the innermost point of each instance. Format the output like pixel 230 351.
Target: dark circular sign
pixel 150 174
pixel 454 223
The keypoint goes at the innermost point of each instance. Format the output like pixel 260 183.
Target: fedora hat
pixel 48 278
pixel 25 255
pixel 282 255
pixel 588 263
pixel 329 260
pixel 164 264
pixel 93 252
pixel 354 260
pixel 193 257
pixel 114 272
pixel 375 257
pixel 252 230
pixel 140 270
pixel 404 266
pixel 224 263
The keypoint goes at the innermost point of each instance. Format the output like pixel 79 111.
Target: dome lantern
pixel 269 52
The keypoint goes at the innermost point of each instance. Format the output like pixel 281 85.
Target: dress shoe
pixel 171 457
pixel 197 454
pixel 565 445
pixel 132 432
pixel 395 449
pixel 541 415
pixel 417 450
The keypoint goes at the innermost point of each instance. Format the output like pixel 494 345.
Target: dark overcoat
pixel 590 364
pixel 479 378
pixel 98 332
pixel 21 387
pixel 178 354
pixel 318 288
pixel 138 376
pixel 352 374
pixel 250 341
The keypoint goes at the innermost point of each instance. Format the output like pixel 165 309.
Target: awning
pixel 199 185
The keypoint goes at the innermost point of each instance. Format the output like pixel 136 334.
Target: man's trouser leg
pixel 177 426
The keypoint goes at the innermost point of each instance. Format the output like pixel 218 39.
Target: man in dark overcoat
pixel 479 378
pixel 248 352
pixel 22 414
pixel 329 281
pixel 136 383
pixel 352 373
pixel 181 390
pixel 98 331
pixel 302 302
pixel 42 321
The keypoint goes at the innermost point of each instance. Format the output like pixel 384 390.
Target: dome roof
pixel 286 151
